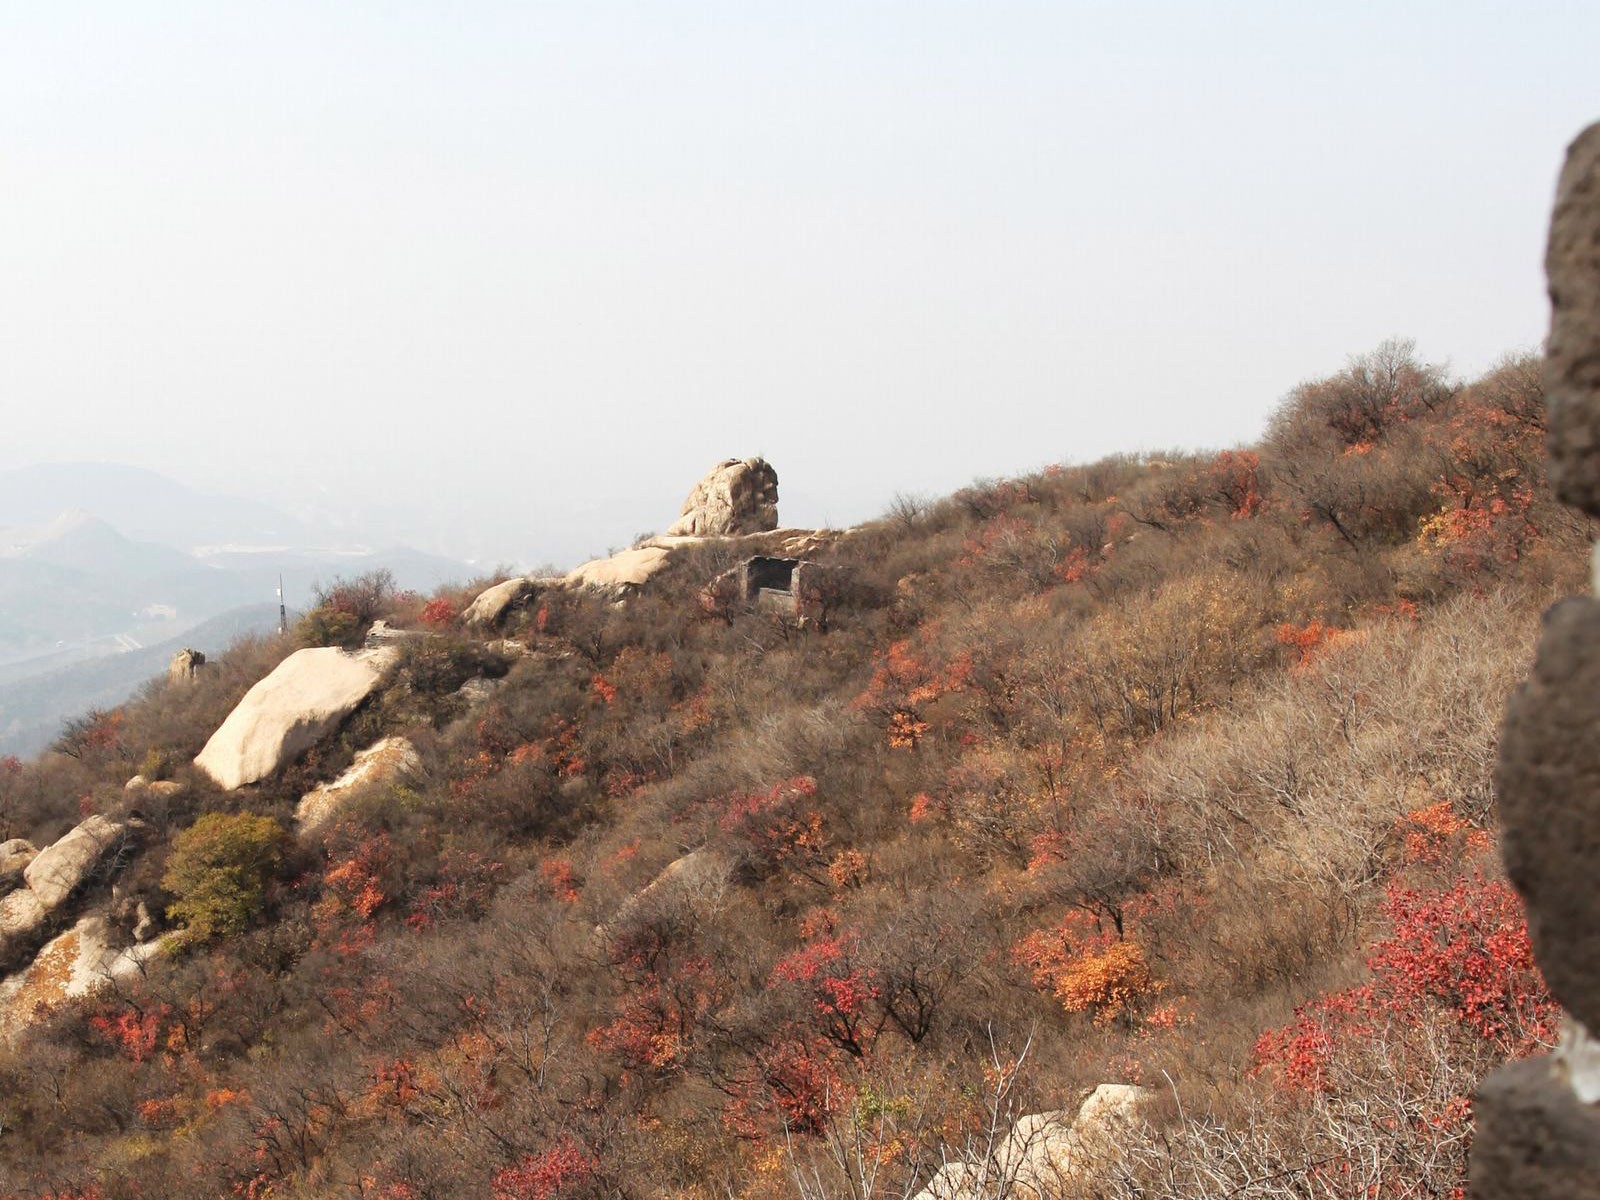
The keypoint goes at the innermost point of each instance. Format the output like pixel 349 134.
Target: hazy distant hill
pixel 100 561
pixel 145 506
pixel 33 709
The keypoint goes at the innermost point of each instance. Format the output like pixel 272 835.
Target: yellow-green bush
pixel 219 870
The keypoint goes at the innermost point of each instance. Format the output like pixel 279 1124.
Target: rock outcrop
pixel 51 876
pixel 1538 1121
pixel 738 495
pixel 15 855
pixel 696 875
pixel 493 603
pixel 309 694
pixel 383 634
pixel 184 665
pixel 76 963
pixel 1572 362
pixel 61 867
pixel 622 572
pixel 382 762
pixel 1043 1154
pixel 22 918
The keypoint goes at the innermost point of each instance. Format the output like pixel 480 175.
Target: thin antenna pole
pixel 283 612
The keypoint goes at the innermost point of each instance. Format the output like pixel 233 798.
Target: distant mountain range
pixel 101 561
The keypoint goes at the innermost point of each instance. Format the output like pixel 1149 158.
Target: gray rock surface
pixel 1548 781
pixel 184 665
pixel 1534 1139
pixel 309 694
pixel 1572 362
pixel 382 762
pixel 61 867
pixel 15 855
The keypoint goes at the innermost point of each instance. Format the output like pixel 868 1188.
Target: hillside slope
pixel 1172 774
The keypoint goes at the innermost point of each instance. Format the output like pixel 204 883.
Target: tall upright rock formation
pixel 737 496
pixel 1539 1120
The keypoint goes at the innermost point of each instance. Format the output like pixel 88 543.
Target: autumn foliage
pixel 1164 769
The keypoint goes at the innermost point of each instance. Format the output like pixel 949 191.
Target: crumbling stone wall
pixel 1538 1121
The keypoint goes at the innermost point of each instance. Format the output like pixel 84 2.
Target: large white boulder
pixel 309 694
pixel 621 572
pixel 60 867
pixel 738 495
pixel 383 761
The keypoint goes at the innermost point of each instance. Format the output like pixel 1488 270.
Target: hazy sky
pixel 511 276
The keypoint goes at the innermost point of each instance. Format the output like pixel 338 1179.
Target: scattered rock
pixel 155 787
pixel 738 495
pixel 1534 1138
pixel 15 856
pixel 954 1181
pixel 475 691
pixel 384 634
pixel 61 867
pixel 621 572
pixel 21 919
pixel 1045 1150
pixel 309 694
pixel 492 604
pixel 380 762
pixel 185 664
pixel 696 873
pixel 1572 361
pixel 145 926
pixel 76 963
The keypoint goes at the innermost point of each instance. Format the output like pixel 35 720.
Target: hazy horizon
pixel 503 282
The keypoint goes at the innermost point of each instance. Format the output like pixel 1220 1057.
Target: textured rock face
pixel 1044 1151
pixel 1538 1121
pixel 738 495
pixel 1572 365
pixel 384 634
pixel 381 762
pixel 62 866
pixel 77 963
pixel 15 856
pixel 1044 1155
pixel 185 663
pixel 21 917
pixel 701 872
pixel 1535 1139
pixel 309 694
pixel 621 572
pixel 493 603
pixel 1548 780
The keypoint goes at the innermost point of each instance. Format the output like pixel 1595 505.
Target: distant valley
pixel 106 569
